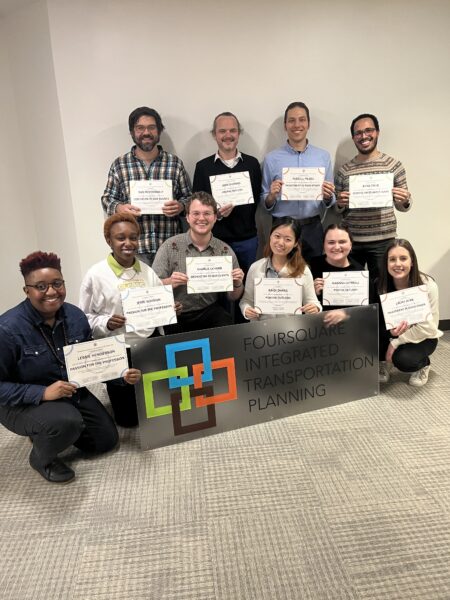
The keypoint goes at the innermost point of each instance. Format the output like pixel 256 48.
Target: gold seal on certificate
pixel 278 296
pixel 232 188
pixel 410 305
pixel 371 191
pixel 302 183
pixel 345 288
pixel 209 274
pixel 148 307
pixel 150 194
pixel 96 361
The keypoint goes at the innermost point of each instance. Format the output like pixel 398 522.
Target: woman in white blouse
pixel 282 258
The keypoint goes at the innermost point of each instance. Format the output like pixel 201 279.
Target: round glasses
pixel 43 287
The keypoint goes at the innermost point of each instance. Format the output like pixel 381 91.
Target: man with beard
pixel 147 160
pixel 372 228
pixel 235 225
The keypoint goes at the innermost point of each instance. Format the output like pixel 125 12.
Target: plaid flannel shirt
pixel 155 229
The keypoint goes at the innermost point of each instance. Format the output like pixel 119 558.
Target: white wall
pixel 193 60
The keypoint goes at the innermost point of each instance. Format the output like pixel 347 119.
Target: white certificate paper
pixel 146 307
pixel 278 296
pixel 232 188
pixel 95 361
pixel 302 183
pixel 371 191
pixel 410 305
pixel 346 288
pixel 209 274
pixel 150 194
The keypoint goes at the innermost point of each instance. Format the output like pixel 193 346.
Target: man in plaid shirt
pixel 147 160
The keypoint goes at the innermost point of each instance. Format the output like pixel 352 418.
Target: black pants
pixel 408 357
pixel 370 254
pixel 213 315
pixel 123 403
pixel 55 425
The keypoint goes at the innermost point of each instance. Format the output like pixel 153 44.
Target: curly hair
pixel 119 218
pixel 203 197
pixel 39 260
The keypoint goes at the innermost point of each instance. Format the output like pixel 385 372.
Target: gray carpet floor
pixel 351 502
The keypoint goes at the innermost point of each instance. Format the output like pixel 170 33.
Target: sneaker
pixel 420 377
pixel 384 372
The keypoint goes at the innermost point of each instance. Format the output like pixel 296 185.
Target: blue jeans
pixel 245 251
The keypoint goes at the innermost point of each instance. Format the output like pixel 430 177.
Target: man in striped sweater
pixel 373 227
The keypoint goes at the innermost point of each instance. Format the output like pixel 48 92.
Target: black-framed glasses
pixel 366 131
pixel 43 287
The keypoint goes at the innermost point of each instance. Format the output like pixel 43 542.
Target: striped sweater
pixel 371 224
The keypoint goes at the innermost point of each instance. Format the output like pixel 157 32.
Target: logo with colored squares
pixel 175 391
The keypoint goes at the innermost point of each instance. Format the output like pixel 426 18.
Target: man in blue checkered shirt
pixel 147 160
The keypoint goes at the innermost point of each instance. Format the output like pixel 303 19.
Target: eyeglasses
pixel 361 132
pixel 197 215
pixel 142 128
pixel 43 287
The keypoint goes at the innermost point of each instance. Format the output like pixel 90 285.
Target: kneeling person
pixel 200 310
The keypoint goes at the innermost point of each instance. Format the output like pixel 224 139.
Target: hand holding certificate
pixel 209 274
pixel 302 183
pixel 282 296
pixel 346 288
pixel 232 188
pixel 371 191
pixel 145 308
pixel 149 195
pixel 410 305
pixel 96 361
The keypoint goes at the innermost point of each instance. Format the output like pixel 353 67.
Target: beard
pixel 146 142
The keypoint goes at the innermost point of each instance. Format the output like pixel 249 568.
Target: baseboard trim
pixel 444 325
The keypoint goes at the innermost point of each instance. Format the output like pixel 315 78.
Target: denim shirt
pixel 27 365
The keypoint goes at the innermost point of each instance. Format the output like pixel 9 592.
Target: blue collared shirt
pixel 286 156
pixel 27 365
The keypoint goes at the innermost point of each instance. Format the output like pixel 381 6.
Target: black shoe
pixel 55 472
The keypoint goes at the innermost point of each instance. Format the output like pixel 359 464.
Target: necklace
pixel 129 276
pixel 50 343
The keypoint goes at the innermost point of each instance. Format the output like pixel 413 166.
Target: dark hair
pixel 202 197
pixel 39 260
pixel 295 263
pixel 385 281
pixel 296 105
pixel 365 116
pixel 341 227
pixel 226 114
pixel 119 218
pixel 144 111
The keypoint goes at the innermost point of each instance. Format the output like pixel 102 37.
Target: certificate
pixel 410 305
pixel 302 183
pixel 209 274
pixel 95 361
pixel 232 188
pixel 150 194
pixel 346 288
pixel 278 296
pixel 148 307
pixel 371 191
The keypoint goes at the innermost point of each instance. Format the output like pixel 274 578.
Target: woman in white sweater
pixel 282 258
pixel 101 301
pixel 406 346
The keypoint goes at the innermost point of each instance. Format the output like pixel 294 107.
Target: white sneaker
pixel 420 377
pixel 384 371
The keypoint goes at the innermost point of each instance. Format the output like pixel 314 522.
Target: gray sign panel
pixel 216 380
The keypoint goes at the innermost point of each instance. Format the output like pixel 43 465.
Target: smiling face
pixel 201 218
pixel 123 240
pixel 49 302
pixel 296 125
pixel 399 265
pixel 365 136
pixel 145 133
pixel 337 246
pixel 282 241
pixel 226 134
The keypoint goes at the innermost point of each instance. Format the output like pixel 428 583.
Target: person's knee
pixel 404 362
pixel 66 422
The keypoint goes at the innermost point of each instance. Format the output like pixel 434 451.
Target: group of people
pixel 148 250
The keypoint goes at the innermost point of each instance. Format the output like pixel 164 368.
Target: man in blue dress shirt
pixel 298 152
